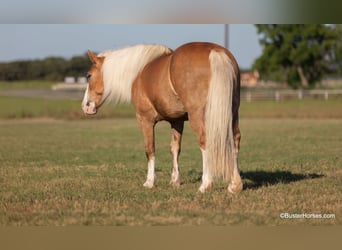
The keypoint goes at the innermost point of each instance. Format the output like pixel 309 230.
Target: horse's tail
pixel 219 116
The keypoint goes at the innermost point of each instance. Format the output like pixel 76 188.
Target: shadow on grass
pixel 257 179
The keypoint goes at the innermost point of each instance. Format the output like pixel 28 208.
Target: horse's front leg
pixel 175 148
pixel 147 128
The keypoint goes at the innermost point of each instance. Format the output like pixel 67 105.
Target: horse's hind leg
pixel 235 185
pixel 196 121
pixel 175 148
pixel 147 128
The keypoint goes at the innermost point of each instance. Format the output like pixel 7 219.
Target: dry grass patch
pixel 91 173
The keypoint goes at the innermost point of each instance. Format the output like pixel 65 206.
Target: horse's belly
pixel 169 107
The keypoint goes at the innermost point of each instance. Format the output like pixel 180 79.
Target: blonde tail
pixel 220 145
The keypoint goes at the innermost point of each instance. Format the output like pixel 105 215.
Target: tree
pixel 78 66
pixel 338 50
pixel 296 53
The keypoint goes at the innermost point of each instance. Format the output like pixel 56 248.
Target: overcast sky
pixel 37 41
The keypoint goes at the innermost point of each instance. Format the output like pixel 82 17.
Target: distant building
pixel 73 80
pixel 81 79
pixel 69 79
pixel 249 79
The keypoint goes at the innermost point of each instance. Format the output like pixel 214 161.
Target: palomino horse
pixel 199 82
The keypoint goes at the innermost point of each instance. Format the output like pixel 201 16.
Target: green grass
pixel 20 107
pixel 5 85
pixel 292 109
pixel 90 172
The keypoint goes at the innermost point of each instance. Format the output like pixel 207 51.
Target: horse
pixel 198 82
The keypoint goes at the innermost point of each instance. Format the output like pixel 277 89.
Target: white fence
pixel 70 86
pixel 278 95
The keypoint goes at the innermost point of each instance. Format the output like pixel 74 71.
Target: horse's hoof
pixel 202 190
pixel 205 187
pixel 235 188
pixel 148 184
pixel 175 184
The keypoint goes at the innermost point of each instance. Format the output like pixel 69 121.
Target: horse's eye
pixel 88 76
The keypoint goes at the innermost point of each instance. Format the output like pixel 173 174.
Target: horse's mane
pixel 121 67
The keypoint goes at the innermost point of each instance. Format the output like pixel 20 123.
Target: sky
pixel 170 11
pixel 38 41
pixel 146 11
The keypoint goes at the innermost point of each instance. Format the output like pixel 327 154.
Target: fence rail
pixel 278 95
pixel 249 95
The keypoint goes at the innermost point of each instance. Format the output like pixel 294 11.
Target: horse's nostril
pixel 88 103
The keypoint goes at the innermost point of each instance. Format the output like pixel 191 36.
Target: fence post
pixel 326 95
pixel 300 94
pixel 277 96
pixel 248 97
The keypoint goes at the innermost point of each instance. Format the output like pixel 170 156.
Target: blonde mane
pixel 121 67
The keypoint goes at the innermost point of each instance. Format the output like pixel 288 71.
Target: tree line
pixel 51 68
pixel 299 54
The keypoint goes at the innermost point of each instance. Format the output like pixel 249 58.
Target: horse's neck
pixel 121 67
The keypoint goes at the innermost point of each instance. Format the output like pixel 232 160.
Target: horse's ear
pixel 93 58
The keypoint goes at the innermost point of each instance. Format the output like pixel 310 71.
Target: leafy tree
pixel 53 68
pixel 78 65
pixel 338 50
pixel 296 53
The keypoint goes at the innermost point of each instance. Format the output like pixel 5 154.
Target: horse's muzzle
pixel 89 108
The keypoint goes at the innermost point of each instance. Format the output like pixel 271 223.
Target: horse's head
pixel 93 95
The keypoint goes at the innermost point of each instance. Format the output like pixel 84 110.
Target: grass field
pixel 19 107
pixel 57 169
pixel 4 85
